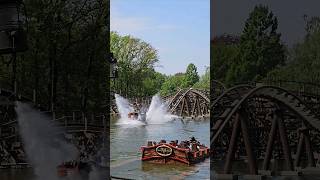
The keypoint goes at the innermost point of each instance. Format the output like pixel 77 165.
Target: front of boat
pixel 73 168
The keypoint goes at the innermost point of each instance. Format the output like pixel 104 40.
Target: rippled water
pixel 126 141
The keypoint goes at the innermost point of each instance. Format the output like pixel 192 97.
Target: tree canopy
pixel 304 62
pixel 191 76
pixel 65 64
pixel 186 80
pixel 136 61
pixel 258 51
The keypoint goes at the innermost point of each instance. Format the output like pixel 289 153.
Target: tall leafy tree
pixel 204 81
pixel 172 84
pixel 191 76
pixel 304 62
pixel 260 47
pixel 64 66
pixel 136 61
pixel 224 52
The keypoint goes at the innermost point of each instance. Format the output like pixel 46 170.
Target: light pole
pixel 113 67
pixel 113 70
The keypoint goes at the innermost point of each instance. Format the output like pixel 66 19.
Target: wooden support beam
pixel 187 106
pixel 245 133
pixel 182 107
pixel 198 108
pixel 272 134
pixel 232 145
pixel 284 142
pixel 194 107
pixel 299 150
pixel 311 162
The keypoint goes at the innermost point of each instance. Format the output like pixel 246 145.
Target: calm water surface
pixel 126 141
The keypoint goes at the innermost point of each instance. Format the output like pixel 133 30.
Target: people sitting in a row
pixel 192 144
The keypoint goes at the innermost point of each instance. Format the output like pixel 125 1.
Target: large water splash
pixel 157 113
pixel 124 108
pixel 44 147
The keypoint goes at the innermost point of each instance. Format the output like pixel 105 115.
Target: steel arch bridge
pixel 76 127
pixel 264 121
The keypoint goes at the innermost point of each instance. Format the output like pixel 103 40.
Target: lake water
pixel 126 141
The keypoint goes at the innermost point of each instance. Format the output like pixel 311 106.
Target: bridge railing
pixel 82 119
pixel 299 88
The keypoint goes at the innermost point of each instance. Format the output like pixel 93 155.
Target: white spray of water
pixel 157 112
pixel 124 108
pixel 45 149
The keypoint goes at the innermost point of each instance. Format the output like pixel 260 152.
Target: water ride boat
pixel 133 115
pixel 187 152
pixel 141 116
pixel 71 168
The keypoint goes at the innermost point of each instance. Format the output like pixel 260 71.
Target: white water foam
pixel 157 112
pixel 45 149
pixel 124 108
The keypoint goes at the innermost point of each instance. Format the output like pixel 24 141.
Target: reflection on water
pixel 17 174
pixel 126 141
pixel 28 174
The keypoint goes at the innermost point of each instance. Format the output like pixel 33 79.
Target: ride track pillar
pixel 304 139
pixel 272 135
pixel 277 123
pixel 299 148
pixel 245 133
pixel 240 122
pixel 311 161
pixel 231 149
pixel 284 141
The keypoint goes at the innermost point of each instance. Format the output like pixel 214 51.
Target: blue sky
pixel 178 29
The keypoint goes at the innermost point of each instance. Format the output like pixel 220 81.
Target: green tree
pixel 224 52
pixel 204 82
pixel 304 62
pixel 191 76
pixel 172 84
pixel 152 83
pixel 65 65
pixel 136 61
pixel 260 47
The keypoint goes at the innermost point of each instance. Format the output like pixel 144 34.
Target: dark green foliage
pixel 204 82
pixel 191 76
pixel 223 55
pixel 186 80
pixel 136 61
pixel 261 56
pixel 172 84
pixel 260 49
pixel 304 62
pixel 65 65
pixel 137 77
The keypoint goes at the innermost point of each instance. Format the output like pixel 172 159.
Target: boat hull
pixel 169 154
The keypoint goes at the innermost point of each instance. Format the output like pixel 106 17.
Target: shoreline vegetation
pixel 137 76
pixel 259 54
